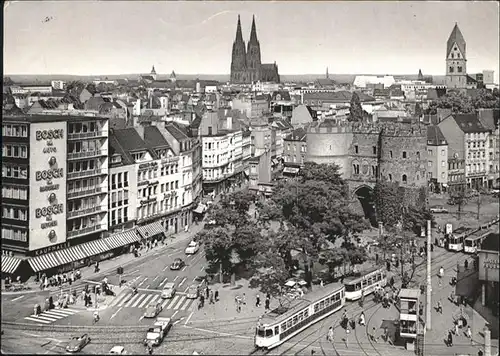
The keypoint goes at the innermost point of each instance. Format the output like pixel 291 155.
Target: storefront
pixel 150 231
pixel 10 265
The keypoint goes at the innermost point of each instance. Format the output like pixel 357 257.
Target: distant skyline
pixel 196 37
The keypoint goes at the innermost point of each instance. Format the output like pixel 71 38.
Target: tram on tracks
pixel 455 240
pixel 286 321
pixel 369 280
pixel 473 241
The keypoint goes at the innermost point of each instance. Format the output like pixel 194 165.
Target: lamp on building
pixel 52 160
pixel 52 236
pixel 52 197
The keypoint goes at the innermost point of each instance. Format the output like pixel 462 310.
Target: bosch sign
pixel 49 174
pixel 49 210
pixel 49 134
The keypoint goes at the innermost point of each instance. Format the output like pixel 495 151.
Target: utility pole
pixel 429 279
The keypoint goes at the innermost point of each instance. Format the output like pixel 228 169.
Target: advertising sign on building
pixel 47 205
pixel 449 229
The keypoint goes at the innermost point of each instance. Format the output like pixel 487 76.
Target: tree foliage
pixel 355 109
pixel 458 196
pixel 461 103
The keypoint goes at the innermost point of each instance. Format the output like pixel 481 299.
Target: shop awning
pixel 291 170
pixel 151 230
pixel 10 264
pixel 44 262
pixel 71 254
pixel 122 239
pixel 200 209
pixel 95 247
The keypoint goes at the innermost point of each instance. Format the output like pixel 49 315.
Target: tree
pixel 271 273
pixel 479 200
pixel 458 102
pixel 486 99
pixel 355 109
pixel 459 197
pixel 388 202
pixel 418 110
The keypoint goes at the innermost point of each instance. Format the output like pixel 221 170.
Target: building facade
pixel 295 147
pixel 437 156
pixel 456 60
pixel 56 169
pixel 246 66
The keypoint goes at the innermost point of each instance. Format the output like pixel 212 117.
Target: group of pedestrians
pixel 59 279
pixel 210 295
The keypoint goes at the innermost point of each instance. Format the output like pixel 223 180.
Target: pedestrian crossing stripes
pixel 142 300
pixel 51 316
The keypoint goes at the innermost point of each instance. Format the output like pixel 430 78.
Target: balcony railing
pixel 84 135
pixel 85 231
pixel 93 172
pixel 79 155
pixel 83 193
pixel 82 212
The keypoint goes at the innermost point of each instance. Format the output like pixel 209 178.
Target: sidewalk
pixel 110 265
pixel 224 311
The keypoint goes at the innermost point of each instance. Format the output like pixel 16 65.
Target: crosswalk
pixel 50 316
pixel 142 300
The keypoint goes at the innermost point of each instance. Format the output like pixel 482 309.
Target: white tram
pixel 473 242
pixel 284 322
pixel 370 280
pixel 455 240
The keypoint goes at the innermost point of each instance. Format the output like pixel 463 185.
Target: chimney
pixel 140 130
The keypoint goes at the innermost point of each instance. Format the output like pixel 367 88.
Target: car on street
pixel 200 281
pixel 153 310
pixel 438 209
pixel 192 292
pixel 192 248
pixel 158 331
pixel 77 343
pixel 117 350
pixel 177 264
pixel 168 291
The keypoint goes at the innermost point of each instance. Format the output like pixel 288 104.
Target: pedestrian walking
pixel 466 264
pixel 362 319
pixel 257 301
pixel 456 329
pixel 376 258
pixel 347 332
pixel 96 269
pixel 207 291
pixel 267 304
pixel 391 281
pixel 51 303
pixel 469 332
pixel 216 295
pixel 439 307
pixel 450 339
pixel 211 297
pixel 35 310
pixel 373 335
pixel 268 295
pixel 329 336
pixel 441 272
pixel 386 334
pixel 244 299
pixel 321 283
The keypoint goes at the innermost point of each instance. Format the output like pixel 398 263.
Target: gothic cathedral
pixel 456 60
pixel 246 66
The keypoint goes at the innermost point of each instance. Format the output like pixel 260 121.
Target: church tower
pixel 238 58
pixel 456 60
pixel 253 55
pixel 153 73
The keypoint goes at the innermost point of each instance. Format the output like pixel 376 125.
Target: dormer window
pixel 138 156
pixel 116 159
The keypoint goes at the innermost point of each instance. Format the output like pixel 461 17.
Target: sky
pixel 195 37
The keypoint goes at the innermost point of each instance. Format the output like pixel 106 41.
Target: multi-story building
pixel 490 118
pixel 437 159
pixel 282 128
pixel 295 145
pixel 55 188
pixel 468 138
pixel 456 60
pixel 223 150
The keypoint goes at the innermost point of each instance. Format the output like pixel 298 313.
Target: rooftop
pixel 434 136
pixel 469 123
pixel 491 242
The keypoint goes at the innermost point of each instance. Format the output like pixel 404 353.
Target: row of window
pixel 81 204
pixel 83 184
pixel 14 192
pixel 459 69
pixel 119 216
pixel 293 159
pixel 83 127
pixel 479 144
pixel 12 130
pixel 303 148
pixel 443 163
pixel 365 282
pixel 82 223
pixel 476 136
pixel 476 167
pixel 119 198
pixel 14 234
pixel 477 155
pixel 14 171
pixel 15 151
pixel 119 180
pixel 212 159
pixel 82 166
pixel 84 146
pixel 14 212
pixel 431 153
pixel 355 169
pixel 404 178
pixel 174 168
pixel 217 145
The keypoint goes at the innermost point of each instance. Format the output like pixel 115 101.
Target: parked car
pixel 438 209
pixel 153 310
pixel 168 291
pixel 192 292
pixel 77 343
pixel 192 248
pixel 117 350
pixel 177 264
